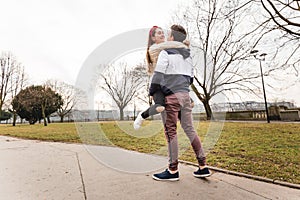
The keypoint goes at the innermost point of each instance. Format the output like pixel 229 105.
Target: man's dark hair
pixel 178 32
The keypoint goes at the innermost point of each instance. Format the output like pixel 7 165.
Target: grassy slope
pixel 268 150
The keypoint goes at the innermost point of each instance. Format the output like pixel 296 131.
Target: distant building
pixel 278 111
pixel 248 106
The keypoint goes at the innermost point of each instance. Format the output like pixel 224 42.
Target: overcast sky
pixel 52 38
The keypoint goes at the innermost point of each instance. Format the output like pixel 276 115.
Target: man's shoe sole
pixel 201 176
pixel 169 179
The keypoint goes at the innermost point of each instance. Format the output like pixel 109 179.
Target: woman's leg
pixel 158 107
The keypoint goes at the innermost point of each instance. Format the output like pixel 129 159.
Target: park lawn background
pixel 261 149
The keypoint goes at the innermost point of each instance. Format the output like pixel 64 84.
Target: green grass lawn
pixel 268 150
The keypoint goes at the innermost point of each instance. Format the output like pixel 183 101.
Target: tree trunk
pixel 31 121
pixel 62 118
pixel 121 114
pixel 205 103
pixel 48 120
pixel 134 111
pixel 14 118
pixel 208 110
pixel 43 115
pixel 1 105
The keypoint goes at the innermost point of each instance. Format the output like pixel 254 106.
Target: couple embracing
pixel 172 71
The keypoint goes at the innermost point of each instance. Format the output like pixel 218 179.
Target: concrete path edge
pixel 259 178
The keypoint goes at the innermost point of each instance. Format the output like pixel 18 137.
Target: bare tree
pixel 285 15
pixel 70 95
pixel 221 42
pixel 121 83
pixel 11 79
pixel 6 72
pixel 142 98
pixel 18 82
pixel 285 33
pixel 140 72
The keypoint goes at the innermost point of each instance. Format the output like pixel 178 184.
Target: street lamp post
pixel 261 57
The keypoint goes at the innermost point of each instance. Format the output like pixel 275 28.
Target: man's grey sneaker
pixel 166 176
pixel 138 121
pixel 201 173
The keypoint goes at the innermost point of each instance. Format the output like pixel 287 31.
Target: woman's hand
pixel 186 42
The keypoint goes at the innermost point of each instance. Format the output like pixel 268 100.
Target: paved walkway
pixel 32 170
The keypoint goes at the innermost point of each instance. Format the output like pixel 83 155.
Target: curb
pixel 258 178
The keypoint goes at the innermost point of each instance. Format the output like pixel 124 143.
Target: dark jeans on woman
pixel 159 100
